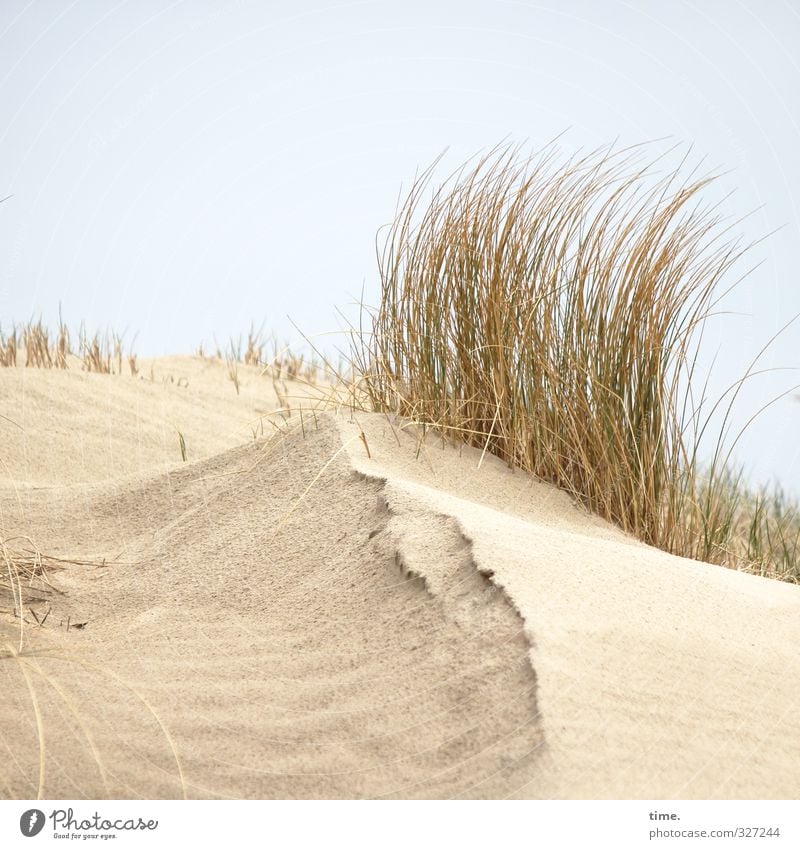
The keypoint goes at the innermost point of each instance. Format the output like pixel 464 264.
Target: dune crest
pixel 244 649
pixel 658 677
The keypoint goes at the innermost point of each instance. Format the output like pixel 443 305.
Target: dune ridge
pixel 658 677
pixel 287 654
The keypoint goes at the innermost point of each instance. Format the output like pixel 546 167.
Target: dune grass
pixel 33 345
pixel 283 363
pixel 550 312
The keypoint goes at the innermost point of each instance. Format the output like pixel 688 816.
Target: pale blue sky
pixel 181 169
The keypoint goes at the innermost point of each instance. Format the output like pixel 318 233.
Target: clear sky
pixel 182 169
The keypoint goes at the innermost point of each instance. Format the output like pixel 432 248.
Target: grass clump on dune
pixel 550 313
pixel 33 345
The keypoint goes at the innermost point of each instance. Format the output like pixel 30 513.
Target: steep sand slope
pixel 243 648
pixel 657 676
pixel 288 617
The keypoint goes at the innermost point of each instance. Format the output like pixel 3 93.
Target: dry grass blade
pixel 26 661
pixel 10 651
pixel 233 372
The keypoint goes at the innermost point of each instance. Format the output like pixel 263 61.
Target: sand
pixel 284 616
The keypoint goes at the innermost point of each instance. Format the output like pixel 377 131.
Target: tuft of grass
pixel 549 312
pixel 103 354
pixel 284 367
pixel 8 348
pixel 95 354
pixel 34 346
pixel 36 342
pixel 253 354
pixel 756 530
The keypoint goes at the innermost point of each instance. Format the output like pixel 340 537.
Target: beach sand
pixel 300 612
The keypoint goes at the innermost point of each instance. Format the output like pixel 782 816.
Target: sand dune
pixel 287 616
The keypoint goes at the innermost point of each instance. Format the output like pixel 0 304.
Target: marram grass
pixel 550 312
pixel 33 345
